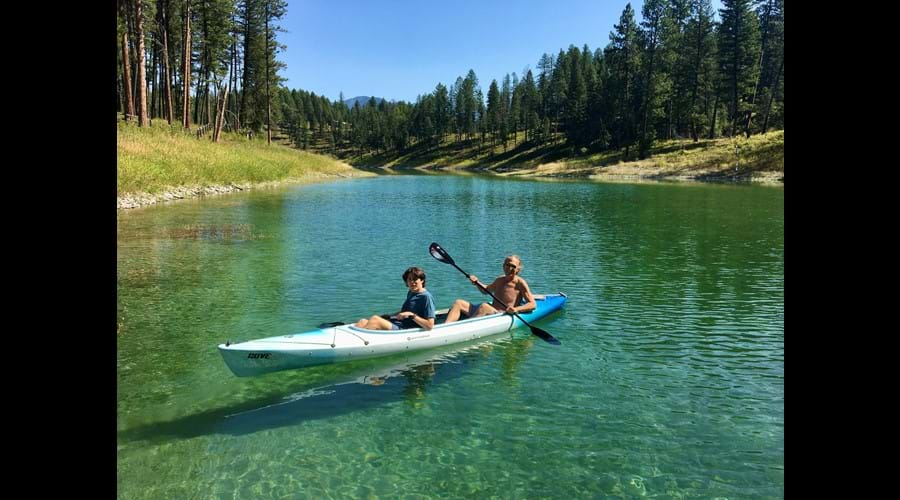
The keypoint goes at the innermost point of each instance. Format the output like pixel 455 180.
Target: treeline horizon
pixel 679 73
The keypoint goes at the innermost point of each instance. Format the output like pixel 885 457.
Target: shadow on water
pixel 395 379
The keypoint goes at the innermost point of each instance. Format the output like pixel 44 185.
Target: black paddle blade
pixel 440 254
pixel 544 335
pixel 331 325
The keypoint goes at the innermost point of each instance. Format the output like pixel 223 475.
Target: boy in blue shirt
pixel 418 310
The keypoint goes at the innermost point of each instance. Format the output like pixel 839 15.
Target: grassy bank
pixel 711 157
pixel 760 157
pixel 160 158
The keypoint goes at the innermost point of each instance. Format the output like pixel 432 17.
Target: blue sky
pixel 399 49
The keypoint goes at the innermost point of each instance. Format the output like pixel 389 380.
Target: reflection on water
pixel 395 378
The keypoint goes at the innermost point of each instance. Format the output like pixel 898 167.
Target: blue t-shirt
pixel 420 303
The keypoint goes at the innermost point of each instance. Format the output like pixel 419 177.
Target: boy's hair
pixel 513 256
pixel 416 273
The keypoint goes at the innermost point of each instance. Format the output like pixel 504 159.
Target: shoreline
pixel 619 173
pixel 548 171
pixel 128 201
pixel 612 173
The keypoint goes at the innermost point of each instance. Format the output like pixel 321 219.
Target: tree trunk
pixel 734 89
pixel 126 74
pixel 120 102
pixel 198 101
pixel 141 77
pixel 209 113
pixel 154 84
pixel 712 125
pixel 268 98
pixel 186 74
pixel 669 127
pixel 648 90
pixel 772 95
pixel 625 133
pixel 165 61
pixel 242 109
pixel 696 84
pixel 762 53
pixel 233 70
pixel 203 107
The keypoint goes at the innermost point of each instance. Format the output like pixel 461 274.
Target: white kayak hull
pixel 348 343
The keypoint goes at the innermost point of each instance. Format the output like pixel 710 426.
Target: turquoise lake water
pixel 669 381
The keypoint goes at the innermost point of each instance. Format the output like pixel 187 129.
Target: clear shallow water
pixel 669 381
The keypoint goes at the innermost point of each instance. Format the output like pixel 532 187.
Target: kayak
pixel 348 342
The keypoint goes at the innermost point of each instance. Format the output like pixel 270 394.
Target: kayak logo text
pixel 259 355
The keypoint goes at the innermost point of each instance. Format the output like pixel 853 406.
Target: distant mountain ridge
pixel 362 100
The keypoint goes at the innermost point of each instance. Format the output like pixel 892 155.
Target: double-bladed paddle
pixel 441 255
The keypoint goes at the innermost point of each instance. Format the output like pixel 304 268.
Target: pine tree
pixel 545 68
pixel 738 55
pixel 623 54
pixel 494 115
pixel 458 102
pixel 143 119
pixel 515 108
pixel 699 49
pixel 775 74
pixel 559 84
pixel 126 62
pixel 654 13
pixel 771 19
pixel 163 26
pixel 576 97
pixel 505 103
pixel 442 111
pixel 469 105
pixel 600 102
pixel 186 56
pixel 530 104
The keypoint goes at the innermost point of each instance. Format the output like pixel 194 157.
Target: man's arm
pixel 525 293
pixel 481 286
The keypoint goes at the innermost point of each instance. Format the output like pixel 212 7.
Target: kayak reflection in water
pixel 418 310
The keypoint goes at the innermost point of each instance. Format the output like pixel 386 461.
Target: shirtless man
pixel 509 288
